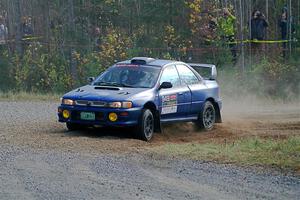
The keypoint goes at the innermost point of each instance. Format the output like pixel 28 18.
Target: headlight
pixel 115 105
pixel 125 104
pixel 68 102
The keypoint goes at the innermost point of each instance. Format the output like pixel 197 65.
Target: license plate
pixel 87 116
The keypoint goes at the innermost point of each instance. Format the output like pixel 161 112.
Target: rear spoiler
pixel 206 71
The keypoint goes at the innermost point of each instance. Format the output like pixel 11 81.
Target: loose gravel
pixel 40 159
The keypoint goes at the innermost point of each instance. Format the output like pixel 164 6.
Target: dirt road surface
pixel 40 159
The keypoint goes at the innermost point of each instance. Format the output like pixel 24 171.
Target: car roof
pixel 148 61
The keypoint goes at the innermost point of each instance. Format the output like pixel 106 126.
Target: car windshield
pixel 134 76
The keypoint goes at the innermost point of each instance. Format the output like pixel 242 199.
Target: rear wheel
pixel 145 128
pixel 73 126
pixel 207 117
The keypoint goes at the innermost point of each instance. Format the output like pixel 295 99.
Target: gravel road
pixel 41 160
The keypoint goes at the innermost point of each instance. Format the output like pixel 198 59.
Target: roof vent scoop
pixel 141 60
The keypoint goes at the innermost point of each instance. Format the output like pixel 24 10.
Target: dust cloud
pixel 244 114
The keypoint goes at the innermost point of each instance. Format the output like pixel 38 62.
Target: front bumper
pixel 101 114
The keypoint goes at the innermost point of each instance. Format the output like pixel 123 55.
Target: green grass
pixel 283 153
pixel 25 96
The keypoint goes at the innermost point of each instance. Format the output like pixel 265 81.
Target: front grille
pixel 99 103
pixel 91 103
pixel 81 102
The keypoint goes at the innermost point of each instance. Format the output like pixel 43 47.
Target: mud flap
pixel 219 119
pixel 218 115
pixel 157 123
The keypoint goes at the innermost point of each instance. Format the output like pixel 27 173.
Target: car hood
pixel 104 93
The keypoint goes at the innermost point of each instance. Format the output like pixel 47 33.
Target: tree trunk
pixel 19 27
pixel 71 35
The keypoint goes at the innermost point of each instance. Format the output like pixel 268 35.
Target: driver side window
pixel 170 74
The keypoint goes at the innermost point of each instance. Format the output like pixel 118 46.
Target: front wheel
pixel 207 117
pixel 145 128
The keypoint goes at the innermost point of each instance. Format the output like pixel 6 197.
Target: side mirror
pixel 90 79
pixel 165 85
pixel 214 73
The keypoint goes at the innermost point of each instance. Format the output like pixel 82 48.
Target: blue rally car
pixel 143 93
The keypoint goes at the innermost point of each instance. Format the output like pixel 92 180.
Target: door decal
pixel 169 104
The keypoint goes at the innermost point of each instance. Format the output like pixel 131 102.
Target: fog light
pixel 66 114
pixel 113 117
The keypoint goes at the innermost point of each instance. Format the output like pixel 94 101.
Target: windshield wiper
pixel 103 83
pixel 125 85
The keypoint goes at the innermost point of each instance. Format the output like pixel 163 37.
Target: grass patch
pixel 25 96
pixel 284 153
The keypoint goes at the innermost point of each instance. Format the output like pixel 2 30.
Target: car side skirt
pixel 183 119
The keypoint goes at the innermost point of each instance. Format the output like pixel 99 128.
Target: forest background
pixel 74 39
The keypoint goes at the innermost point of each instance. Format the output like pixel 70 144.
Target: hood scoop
pixel 79 90
pixel 106 88
pixel 124 93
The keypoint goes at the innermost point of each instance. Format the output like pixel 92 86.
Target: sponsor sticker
pixel 169 104
pixel 126 65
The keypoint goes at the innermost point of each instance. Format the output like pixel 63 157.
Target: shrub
pixel 269 78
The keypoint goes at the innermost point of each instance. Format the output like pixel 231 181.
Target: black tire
pixel 73 126
pixel 207 117
pixel 145 128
